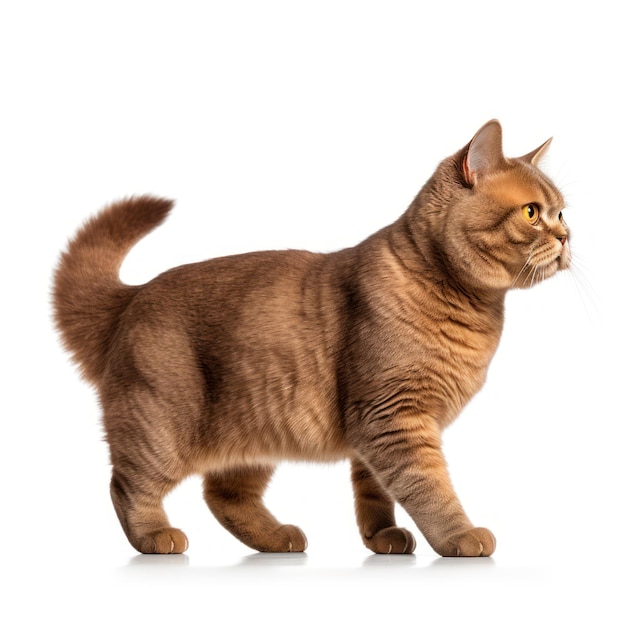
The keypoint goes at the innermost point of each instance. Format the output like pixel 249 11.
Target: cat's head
pixel 506 227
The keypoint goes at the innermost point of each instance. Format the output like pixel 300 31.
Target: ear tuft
pixel 536 155
pixel 484 153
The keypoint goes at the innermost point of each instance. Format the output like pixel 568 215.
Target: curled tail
pixel 88 296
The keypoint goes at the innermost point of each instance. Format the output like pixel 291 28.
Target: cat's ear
pixel 536 155
pixel 484 153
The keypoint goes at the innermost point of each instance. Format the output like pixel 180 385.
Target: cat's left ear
pixel 484 153
pixel 536 155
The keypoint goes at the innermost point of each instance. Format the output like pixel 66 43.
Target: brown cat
pixel 225 367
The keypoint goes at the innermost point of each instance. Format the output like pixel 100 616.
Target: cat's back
pixel 276 282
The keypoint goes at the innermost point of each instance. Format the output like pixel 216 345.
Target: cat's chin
pixel 551 270
pixel 561 262
pixel 534 275
pixel 564 259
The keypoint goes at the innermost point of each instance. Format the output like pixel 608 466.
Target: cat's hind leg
pixel 235 497
pixel 375 515
pixel 137 499
pixel 146 467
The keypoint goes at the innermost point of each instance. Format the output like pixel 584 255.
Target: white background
pixel 312 124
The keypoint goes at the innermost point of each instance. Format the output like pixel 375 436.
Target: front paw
pixel 473 542
pixel 286 538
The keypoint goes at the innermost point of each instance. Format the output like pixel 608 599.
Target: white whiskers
pixel 538 275
pixel 522 270
pixel 584 287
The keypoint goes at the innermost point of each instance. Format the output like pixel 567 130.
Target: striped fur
pixel 224 368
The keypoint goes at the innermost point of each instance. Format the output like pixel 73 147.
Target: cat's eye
pixel 531 213
pixel 561 216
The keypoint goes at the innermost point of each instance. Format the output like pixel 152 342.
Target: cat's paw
pixel 285 538
pixel 163 541
pixel 392 540
pixel 473 542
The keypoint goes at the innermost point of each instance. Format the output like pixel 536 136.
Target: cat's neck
pixel 417 237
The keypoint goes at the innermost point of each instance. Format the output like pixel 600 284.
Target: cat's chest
pixel 458 345
pixel 459 357
pixel 442 352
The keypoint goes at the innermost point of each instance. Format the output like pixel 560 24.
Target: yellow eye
pixel 531 213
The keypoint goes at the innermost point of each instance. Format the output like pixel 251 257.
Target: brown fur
pixel 224 368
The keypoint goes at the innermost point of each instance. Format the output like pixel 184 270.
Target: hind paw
pixel 163 541
pixel 392 540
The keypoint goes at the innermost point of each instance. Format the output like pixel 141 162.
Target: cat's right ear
pixel 484 153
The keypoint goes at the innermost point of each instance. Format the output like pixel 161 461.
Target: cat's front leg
pixel 404 453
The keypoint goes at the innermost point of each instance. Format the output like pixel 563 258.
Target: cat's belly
pixel 275 411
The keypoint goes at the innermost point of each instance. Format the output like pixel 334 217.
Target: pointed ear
pixel 484 153
pixel 536 155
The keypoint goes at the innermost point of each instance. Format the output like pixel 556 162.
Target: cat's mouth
pixel 549 260
pixel 551 267
pixel 565 258
pixel 542 264
pixel 560 262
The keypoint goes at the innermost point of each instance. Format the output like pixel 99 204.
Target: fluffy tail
pixel 88 296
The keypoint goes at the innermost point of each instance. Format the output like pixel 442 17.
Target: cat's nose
pixel 562 239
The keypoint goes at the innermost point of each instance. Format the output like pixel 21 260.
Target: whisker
pixel 585 290
pixel 528 281
pixel 522 270
pixel 579 275
pixel 534 280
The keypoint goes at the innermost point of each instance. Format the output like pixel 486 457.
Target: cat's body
pixel 224 368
